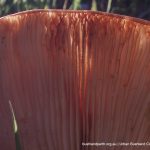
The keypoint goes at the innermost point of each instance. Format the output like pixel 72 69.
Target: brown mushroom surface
pixel 74 77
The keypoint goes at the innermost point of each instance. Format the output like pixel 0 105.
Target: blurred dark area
pixel 135 8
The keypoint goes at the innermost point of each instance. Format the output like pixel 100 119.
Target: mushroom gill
pixel 74 77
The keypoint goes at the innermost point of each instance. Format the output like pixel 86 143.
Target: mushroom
pixel 74 77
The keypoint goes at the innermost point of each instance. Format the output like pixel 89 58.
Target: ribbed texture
pixel 74 77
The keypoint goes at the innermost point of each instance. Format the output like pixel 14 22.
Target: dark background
pixel 135 8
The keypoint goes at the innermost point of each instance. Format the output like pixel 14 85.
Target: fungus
pixel 74 77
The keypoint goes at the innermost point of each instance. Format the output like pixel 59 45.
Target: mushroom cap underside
pixel 74 77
